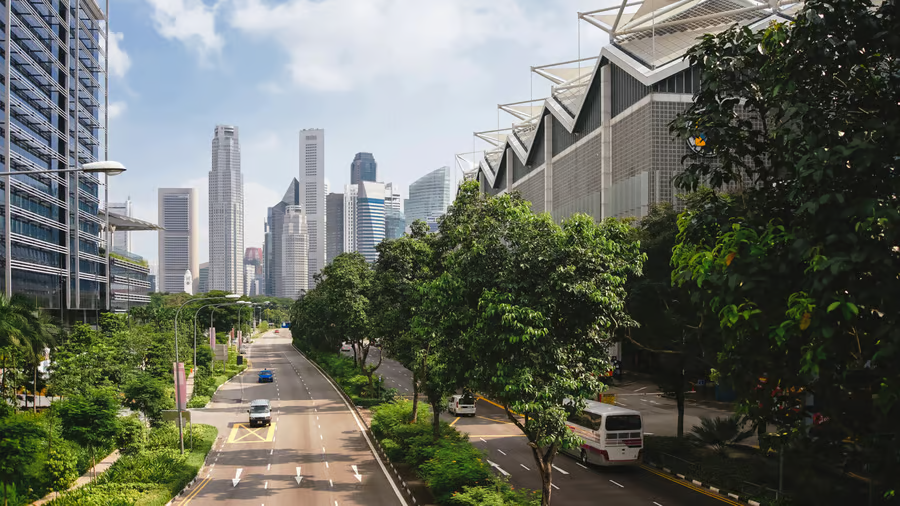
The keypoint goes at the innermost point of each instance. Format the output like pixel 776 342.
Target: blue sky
pixel 407 80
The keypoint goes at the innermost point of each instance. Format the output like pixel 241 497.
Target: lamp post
pixel 175 368
pixel 211 313
pixel 108 168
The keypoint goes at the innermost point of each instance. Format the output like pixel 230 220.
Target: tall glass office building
pixel 54 97
pixel 370 218
pixel 363 168
pixel 429 196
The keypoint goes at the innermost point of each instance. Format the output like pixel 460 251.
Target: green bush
pixel 132 434
pixel 456 464
pixel 497 493
pixel 198 401
pixel 61 470
pixel 392 450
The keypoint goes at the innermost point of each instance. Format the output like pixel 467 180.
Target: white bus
pixel 613 436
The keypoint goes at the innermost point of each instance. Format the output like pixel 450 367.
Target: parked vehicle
pixel 260 412
pixel 463 404
pixel 266 376
pixel 613 436
pixel 346 347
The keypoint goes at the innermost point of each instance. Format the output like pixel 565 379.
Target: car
pixel 346 347
pixel 266 376
pixel 260 412
pixel 463 404
pixel 276 331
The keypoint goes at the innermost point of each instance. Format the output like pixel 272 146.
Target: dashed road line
pixel 615 483
pixel 526 467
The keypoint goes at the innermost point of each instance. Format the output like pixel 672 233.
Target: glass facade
pixel 130 281
pixel 363 168
pixel 53 96
pixel 370 218
pixel 430 195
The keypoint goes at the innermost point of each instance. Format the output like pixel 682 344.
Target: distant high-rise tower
pixel 370 218
pixel 295 248
pixel 178 239
pixel 121 239
pixel 334 226
pixel 351 192
pixel 394 223
pixel 203 283
pixel 226 212
pixel 312 197
pixel 274 230
pixel 253 261
pixel 363 168
pixel 429 196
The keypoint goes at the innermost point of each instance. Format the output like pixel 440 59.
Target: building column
pixel 548 164
pixel 605 140
pixel 509 169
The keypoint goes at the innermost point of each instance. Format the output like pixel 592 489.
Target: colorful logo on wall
pixel 699 144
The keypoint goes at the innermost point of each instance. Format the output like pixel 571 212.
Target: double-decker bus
pixel 613 436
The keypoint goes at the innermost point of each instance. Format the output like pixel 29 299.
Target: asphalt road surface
pixel 573 484
pixel 314 453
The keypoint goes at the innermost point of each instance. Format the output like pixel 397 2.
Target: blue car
pixel 266 376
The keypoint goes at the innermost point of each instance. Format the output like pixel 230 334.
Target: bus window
pixel 623 422
pixel 587 420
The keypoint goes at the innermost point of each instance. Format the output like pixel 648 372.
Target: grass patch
pixel 147 476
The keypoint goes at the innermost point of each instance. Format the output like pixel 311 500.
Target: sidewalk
pixel 101 466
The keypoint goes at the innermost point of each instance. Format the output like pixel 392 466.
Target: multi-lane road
pixel 573 484
pixel 314 453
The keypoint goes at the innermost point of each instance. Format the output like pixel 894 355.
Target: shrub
pixel 131 435
pixel 496 493
pixel 61 469
pixel 198 401
pixel 455 465
pixel 392 450
pixel 719 432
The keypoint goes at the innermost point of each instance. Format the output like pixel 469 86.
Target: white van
pixel 463 404
pixel 260 412
pixel 613 436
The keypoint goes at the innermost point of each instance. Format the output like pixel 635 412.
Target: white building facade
pixel 226 212
pixel 121 240
pixel 351 191
pixel 429 196
pixel 294 253
pixel 179 238
pixel 312 197
pixel 370 218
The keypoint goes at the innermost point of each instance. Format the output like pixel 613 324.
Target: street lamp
pixel 106 167
pixel 211 314
pixel 178 376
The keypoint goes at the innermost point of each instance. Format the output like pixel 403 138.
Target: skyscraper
pixel 334 226
pixel 179 238
pixel 363 168
pixel 351 192
pixel 226 212
pixel 53 120
pixel 394 223
pixel 274 231
pixel 121 240
pixel 203 282
pixel 294 251
pixel 253 261
pixel 312 184
pixel 430 195
pixel 370 218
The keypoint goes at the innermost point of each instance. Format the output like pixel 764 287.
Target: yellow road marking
pixel 454 422
pixel 495 404
pixel 493 419
pixel 690 486
pixel 190 497
pixel 251 435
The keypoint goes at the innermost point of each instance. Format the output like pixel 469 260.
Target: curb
pixel 707 486
pixel 379 451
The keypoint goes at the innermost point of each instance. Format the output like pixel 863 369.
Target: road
pixel 315 452
pixel 573 483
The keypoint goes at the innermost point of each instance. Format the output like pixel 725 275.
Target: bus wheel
pixel 584 459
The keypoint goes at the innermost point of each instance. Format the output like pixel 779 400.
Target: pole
pixel 178 384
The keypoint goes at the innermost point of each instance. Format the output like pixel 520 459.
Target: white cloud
pixel 116 109
pixel 119 61
pixel 190 22
pixel 342 44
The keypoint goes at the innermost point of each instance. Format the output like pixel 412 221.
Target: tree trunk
pixel 436 420
pixel 34 390
pixel 546 476
pixel 415 413
pixel 679 399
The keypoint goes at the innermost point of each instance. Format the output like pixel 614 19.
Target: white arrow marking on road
pixel 298 477
pixel 560 470
pixel 356 474
pixel 492 464
pixel 237 477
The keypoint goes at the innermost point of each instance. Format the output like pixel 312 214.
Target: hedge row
pixel 206 382
pixel 150 472
pixel 456 471
pixel 355 385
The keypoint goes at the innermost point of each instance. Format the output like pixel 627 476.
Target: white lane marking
pixel 326 464
pixel 492 464
pixel 321 437
pixel 554 486
pixel 639 389
pixel 271 451
pixel 581 465
pixel 619 484
pixel 621 403
pixel 214 464
pixel 269 467
pixel 648 433
pixel 331 483
pixel 317 425
pixel 482 440
pixel 656 503
pixel 266 486
pixel 526 468
pixel 560 470
pixel 356 474
pixel 323 449
pixel 653 402
pixel 501 451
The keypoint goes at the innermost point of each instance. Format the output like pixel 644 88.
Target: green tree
pixel 799 270
pixel 21 438
pixel 15 317
pixel 148 395
pixel 530 308
pixel 90 419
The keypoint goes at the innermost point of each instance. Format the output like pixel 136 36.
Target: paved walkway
pixel 104 464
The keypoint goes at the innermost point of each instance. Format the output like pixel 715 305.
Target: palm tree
pixel 43 333
pixel 15 314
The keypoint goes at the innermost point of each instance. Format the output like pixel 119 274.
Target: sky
pixel 407 80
